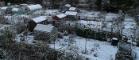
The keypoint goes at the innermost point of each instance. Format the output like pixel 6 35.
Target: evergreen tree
pixel 122 4
pixel 98 3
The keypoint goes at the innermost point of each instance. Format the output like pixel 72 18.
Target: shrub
pixel 88 33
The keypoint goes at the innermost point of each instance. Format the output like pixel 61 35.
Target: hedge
pixel 102 36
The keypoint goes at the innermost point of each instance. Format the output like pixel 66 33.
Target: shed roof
pixel 61 15
pixel 70 13
pixel 44 28
pixel 68 5
pixel 15 9
pixel 72 8
pixel 34 7
pixel 39 19
pixel 4 8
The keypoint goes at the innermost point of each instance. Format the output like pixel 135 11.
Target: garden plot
pixel 94 50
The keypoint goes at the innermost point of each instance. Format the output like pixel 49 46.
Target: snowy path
pixel 96 50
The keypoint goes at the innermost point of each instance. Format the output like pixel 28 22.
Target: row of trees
pixel 117 4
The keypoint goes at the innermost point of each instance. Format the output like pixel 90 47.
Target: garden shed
pixel 45 32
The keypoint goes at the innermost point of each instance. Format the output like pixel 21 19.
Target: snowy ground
pixel 96 50
pixel 27 39
pixel 129 26
pixel 136 50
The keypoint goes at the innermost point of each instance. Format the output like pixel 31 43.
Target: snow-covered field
pixel 95 50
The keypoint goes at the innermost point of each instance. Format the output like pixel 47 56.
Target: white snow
pixel 111 16
pixel 51 12
pixel 72 8
pixel 15 9
pixel 34 7
pixel 4 8
pixel 44 28
pixel 68 5
pixel 102 50
pixel 70 13
pixel 27 39
pixel 90 24
pixel 39 19
pixel 61 15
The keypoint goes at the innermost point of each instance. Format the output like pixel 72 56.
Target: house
pixel 30 7
pixel 40 19
pixel 45 32
pixel 60 16
pixel 114 41
pixel 67 5
pixel 71 15
pixel 65 8
pixel 4 8
pixel 16 10
pixel 73 9
pixel 34 7
pixel 51 12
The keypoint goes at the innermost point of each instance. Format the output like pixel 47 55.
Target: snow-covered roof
pixel 4 8
pixel 72 8
pixel 111 16
pixel 51 12
pixel 44 28
pixel 34 7
pixel 70 13
pixel 68 5
pixel 114 38
pixel 39 19
pixel 15 9
pixel 90 24
pixel 61 15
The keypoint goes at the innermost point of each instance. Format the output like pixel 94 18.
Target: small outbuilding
pixel 45 32
pixel 65 8
pixel 60 16
pixel 73 9
pixel 40 19
pixel 34 7
pixel 114 41
pixel 71 15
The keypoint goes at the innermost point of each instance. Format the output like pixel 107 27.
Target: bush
pixel 6 38
pixel 20 27
pixel 42 36
pixel 88 33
